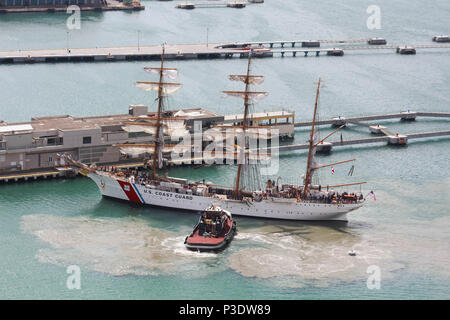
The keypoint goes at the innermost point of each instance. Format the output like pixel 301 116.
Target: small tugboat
pixel 213 232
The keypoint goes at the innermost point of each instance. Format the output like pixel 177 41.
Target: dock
pixel 227 50
pixel 384 135
pixel 404 115
pixel 38 174
pixel 49 6
pixel 326 148
pixel 58 172
pixel 211 4
pixel 43 154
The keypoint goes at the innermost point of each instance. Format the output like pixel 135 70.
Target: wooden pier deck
pixel 186 51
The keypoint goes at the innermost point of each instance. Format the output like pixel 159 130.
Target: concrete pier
pixel 60 172
pixel 387 136
pixel 109 54
pixel 224 50
pixel 343 120
pixel 393 140
pixel 54 6
pixel 35 174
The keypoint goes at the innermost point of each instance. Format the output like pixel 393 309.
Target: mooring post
pixel 282 54
pixel 293 44
pixel 271 45
pixel 282 44
pixel 317 53
pixel 294 53
pixel 306 53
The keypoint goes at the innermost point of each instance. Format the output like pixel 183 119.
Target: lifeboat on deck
pixel 213 232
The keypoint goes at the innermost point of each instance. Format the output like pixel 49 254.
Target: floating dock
pixel 441 38
pixel 226 50
pixel 211 4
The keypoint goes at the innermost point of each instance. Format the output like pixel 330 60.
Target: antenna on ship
pixel 248 96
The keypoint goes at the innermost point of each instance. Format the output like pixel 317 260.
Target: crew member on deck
pixel 218 227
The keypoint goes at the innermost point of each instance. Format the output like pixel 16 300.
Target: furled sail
pixel 254 96
pixel 170 127
pixel 137 151
pixel 252 79
pixel 167 88
pixel 316 139
pixel 254 133
pixel 170 73
pixel 160 148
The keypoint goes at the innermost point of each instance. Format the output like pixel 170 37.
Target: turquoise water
pixel 131 252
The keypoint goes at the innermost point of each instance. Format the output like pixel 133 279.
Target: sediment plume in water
pixel 116 246
pixel 319 254
pixel 287 254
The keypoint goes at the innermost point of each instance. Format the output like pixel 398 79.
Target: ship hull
pixel 286 209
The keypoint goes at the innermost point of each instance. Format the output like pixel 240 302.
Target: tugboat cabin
pixel 213 223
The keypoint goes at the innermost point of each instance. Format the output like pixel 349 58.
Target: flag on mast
pixel 371 193
pixel 332 170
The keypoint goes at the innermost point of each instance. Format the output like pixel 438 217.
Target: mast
pixel 154 125
pixel 244 124
pixel 309 170
pixel 158 118
pixel 249 97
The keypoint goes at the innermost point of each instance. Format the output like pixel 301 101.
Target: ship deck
pixel 198 239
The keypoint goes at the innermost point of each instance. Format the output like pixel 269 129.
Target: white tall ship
pixel 247 198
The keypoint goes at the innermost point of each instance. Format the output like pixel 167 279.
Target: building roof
pixel 16 128
pixel 69 123
pixel 259 115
